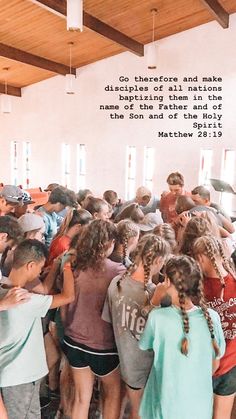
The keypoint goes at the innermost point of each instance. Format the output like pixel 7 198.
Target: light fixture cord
pixel 70 57
pixel 153 26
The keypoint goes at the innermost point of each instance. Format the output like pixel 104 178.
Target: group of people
pixel 138 300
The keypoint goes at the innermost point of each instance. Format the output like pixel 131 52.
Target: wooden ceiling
pixel 34 42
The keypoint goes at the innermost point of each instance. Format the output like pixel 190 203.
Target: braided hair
pixel 149 248
pixel 167 232
pixel 126 229
pixel 196 227
pixel 203 305
pixel 185 274
pixel 212 248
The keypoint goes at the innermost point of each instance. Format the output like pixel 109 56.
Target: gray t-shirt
pixel 124 310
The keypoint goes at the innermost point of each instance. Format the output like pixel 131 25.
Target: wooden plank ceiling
pixel 34 40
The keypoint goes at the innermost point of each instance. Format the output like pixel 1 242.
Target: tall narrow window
pixel 149 154
pixel 66 165
pixel 15 163
pixel 130 172
pixel 227 174
pixel 205 167
pixel 26 164
pixel 81 166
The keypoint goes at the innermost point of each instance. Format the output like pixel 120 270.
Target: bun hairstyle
pixel 93 244
pixel 212 247
pixel 149 248
pixel 126 229
pixel 185 274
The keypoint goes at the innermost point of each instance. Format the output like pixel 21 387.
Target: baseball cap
pixel 51 186
pixel 12 194
pixel 26 198
pixel 30 222
pixel 150 221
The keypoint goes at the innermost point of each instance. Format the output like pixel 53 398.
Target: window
pixel 81 165
pixel 66 165
pixel 26 164
pixel 15 163
pixel 227 174
pixel 205 167
pixel 149 154
pixel 130 172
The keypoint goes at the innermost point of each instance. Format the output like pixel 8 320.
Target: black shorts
pixel 225 385
pixel 101 362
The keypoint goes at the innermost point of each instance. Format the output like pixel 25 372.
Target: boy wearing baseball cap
pixel 10 197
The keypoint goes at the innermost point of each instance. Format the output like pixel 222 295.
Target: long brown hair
pixel 93 244
pixel 185 274
pixel 72 218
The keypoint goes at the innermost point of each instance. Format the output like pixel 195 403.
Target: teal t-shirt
pixel 22 352
pixel 179 386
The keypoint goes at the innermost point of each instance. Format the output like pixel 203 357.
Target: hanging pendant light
pixel 70 78
pixel 5 98
pixel 75 15
pixel 152 48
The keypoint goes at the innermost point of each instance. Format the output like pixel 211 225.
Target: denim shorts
pixel 225 385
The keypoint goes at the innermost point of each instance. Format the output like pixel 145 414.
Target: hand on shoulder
pixel 14 297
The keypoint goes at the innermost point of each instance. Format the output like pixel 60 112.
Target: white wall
pixel 46 116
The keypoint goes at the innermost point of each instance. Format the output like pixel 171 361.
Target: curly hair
pixel 185 274
pixel 93 244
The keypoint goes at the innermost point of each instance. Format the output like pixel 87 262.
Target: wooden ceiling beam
pixel 34 60
pixel 96 25
pixel 218 12
pixel 11 90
